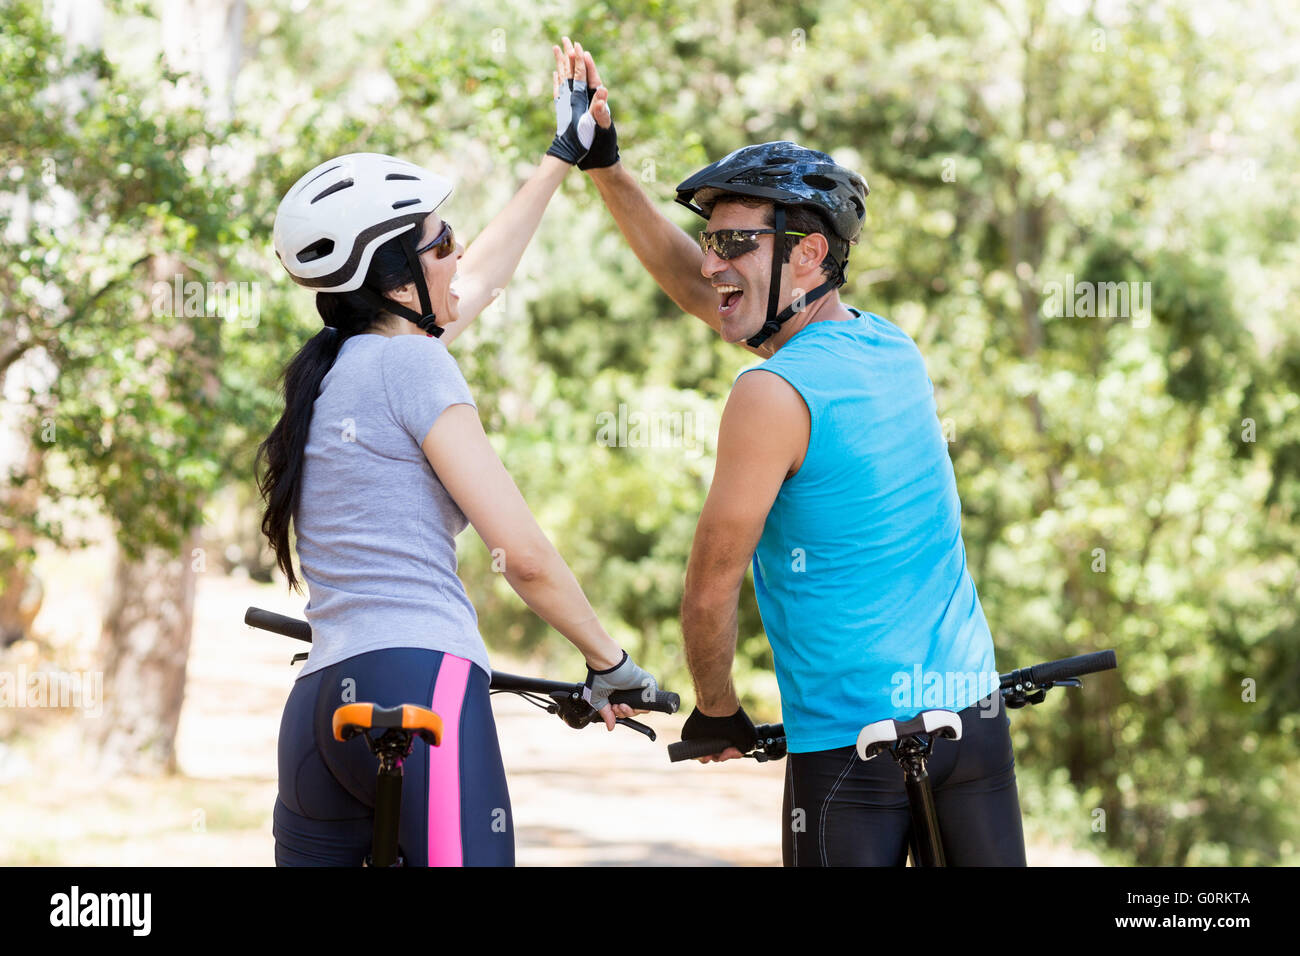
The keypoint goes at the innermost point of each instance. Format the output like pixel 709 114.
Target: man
pixel 833 478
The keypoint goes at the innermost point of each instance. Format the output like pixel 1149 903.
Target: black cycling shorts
pixel 842 811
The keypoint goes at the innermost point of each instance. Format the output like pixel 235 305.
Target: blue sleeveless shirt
pixel 861 572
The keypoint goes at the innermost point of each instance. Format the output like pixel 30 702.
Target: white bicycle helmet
pixel 332 220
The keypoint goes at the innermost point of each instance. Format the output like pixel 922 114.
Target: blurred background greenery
pixel 1128 481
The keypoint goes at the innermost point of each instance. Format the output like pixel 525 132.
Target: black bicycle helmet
pixel 786 174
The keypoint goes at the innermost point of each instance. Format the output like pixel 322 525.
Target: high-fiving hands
pixel 585 134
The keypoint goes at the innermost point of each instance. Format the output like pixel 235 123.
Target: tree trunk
pixel 20 590
pixel 146 632
pixel 146 643
pixel 24 388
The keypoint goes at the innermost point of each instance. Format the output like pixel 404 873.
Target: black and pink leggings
pixel 455 805
pixel 842 811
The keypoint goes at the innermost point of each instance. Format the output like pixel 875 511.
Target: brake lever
pixel 1015 699
pixel 637 726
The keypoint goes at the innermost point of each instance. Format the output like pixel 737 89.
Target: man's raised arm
pixel 671 256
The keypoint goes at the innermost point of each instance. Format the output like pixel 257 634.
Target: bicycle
pixel 403 724
pixel 910 741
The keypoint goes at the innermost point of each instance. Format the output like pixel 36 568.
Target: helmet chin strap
pixel 427 321
pixel 774 322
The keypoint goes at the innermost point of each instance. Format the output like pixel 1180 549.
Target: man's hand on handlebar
pixel 731 753
pixel 736 728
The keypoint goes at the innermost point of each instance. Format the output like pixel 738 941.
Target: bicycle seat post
pixel 927 846
pixel 391 749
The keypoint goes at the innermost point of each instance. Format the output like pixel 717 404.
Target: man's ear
pixel 812 250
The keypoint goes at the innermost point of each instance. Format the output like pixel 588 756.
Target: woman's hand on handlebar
pixel 610 711
pixel 625 675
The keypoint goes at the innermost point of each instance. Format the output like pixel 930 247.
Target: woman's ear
pixel 405 295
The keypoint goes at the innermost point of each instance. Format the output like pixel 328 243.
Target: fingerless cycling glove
pixel 604 146
pixel 737 729
pixel 625 676
pixel 574 126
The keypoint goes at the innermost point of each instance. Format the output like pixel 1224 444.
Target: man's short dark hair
pixel 797 219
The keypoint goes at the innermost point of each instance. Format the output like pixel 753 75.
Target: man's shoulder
pixel 762 385
pixel 763 401
pixel 765 423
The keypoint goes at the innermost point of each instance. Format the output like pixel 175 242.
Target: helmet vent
pixel 317 250
pixel 401 203
pixel 316 177
pixel 344 184
pixel 400 176
pixel 819 182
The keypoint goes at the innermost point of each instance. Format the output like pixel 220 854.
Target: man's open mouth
pixel 731 295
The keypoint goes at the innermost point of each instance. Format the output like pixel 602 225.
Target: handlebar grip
pixel 690 749
pixel 278 623
pixel 665 702
pixel 1071 667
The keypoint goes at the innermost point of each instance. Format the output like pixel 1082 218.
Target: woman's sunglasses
pixel 729 243
pixel 443 243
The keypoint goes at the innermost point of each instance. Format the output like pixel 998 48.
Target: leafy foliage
pixel 1128 481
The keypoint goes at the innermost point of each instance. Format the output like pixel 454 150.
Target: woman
pixel 379 461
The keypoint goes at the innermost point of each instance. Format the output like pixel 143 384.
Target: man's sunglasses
pixel 729 243
pixel 443 243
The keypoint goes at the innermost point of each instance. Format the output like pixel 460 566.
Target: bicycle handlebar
pixel 664 702
pixel 771 736
pixel 278 623
pixel 770 745
pixel 1064 669
pixel 1013 687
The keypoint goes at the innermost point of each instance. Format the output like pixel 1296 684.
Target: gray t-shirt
pixel 376 528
